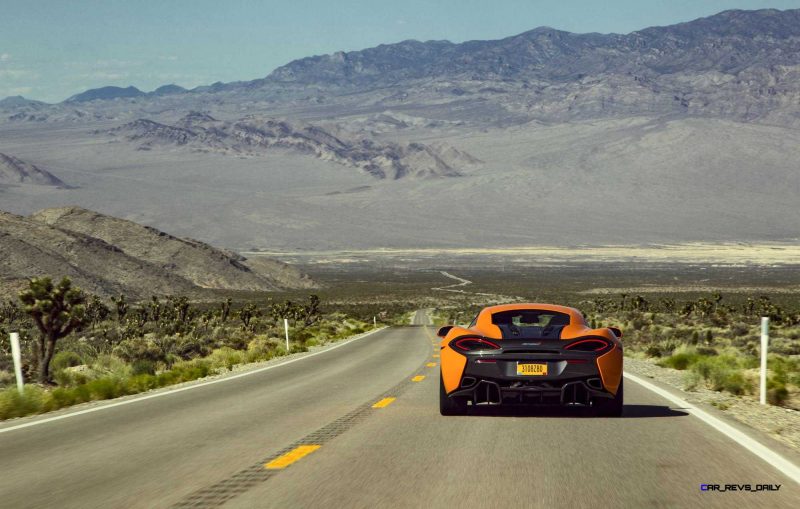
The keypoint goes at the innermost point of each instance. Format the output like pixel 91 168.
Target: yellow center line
pixel 430 334
pixel 418 378
pixel 290 457
pixel 431 364
pixel 383 403
pixel 436 355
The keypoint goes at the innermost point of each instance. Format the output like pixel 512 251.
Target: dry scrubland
pixel 127 347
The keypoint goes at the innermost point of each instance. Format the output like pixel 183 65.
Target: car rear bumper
pixel 489 381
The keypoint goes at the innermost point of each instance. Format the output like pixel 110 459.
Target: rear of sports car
pixel 584 372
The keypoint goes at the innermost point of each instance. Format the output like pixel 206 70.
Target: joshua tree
pixel 10 312
pixel 246 314
pixel 668 304
pixel 226 310
pixel 57 311
pixel 122 307
pixel 180 308
pixel 155 308
pixel 96 311
pixel 717 297
pixel 310 312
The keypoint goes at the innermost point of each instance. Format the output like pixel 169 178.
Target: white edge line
pixel 168 391
pixel 765 453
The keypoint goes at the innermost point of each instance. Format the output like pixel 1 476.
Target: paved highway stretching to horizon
pixel 358 425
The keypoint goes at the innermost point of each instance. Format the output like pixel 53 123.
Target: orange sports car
pixel 530 354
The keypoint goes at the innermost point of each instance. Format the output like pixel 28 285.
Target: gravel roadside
pixel 782 424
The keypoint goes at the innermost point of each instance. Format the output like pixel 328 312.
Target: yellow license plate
pixel 539 369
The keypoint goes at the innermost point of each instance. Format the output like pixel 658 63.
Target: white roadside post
pixel 286 329
pixel 374 322
pixel 17 356
pixel 764 343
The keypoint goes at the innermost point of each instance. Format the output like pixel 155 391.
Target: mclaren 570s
pixel 530 354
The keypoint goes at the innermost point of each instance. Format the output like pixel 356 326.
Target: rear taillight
pixel 588 345
pixel 474 344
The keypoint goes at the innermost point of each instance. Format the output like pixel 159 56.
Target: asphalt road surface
pixel 306 434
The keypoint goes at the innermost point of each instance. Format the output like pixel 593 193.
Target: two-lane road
pixel 208 446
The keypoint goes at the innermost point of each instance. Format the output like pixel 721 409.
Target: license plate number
pixel 530 369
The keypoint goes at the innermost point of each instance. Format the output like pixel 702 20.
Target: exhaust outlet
pixel 574 394
pixel 487 393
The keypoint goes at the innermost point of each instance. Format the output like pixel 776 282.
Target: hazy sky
pixel 50 50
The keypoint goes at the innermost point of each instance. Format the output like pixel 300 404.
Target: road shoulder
pixel 774 427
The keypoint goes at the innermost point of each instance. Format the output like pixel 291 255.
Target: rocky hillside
pixel 107 256
pixel 17 171
pixel 742 65
pixel 727 43
pixel 254 135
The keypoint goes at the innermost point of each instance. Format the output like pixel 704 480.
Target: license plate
pixel 538 369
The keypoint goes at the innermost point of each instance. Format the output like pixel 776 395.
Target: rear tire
pixel 612 407
pixel 451 406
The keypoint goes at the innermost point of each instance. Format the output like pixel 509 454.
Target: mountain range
pixel 737 64
pixel 682 133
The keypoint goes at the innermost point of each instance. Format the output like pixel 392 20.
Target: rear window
pixel 530 323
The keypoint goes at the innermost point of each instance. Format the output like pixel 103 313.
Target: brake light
pixel 474 344
pixel 588 345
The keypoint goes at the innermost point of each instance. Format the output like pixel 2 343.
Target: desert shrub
pixel 681 360
pixel 638 323
pixel 105 388
pixel 142 383
pixel 62 397
pixel 190 347
pixel 81 393
pixel 111 365
pixel 734 382
pixel 65 359
pixel 139 349
pixel 191 370
pixel 237 339
pixel 13 404
pixel 298 348
pixel 225 357
pixel 692 380
pixel 143 367
pixel 723 372
pixel 261 349
pixel 739 329
pixel 64 378
pixel 785 370
pixel 777 393
pixel 6 378
pixel 707 351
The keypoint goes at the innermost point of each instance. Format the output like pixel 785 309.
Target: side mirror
pixel 617 332
pixel 444 330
